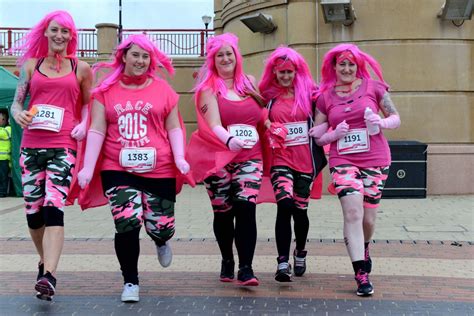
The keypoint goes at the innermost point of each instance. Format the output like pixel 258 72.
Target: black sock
pixel 283 227
pixel 127 248
pixel 358 265
pixel 224 231
pixel 245 231
pixel 301 224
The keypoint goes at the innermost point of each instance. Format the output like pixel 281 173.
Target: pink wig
pixel 328 73
pixel 158 61
pixel 208 77
pixel 35 44
pixel 303 84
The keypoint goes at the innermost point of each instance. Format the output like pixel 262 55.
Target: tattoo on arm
pixel 204 109
pixel 21 92
pixel 388 106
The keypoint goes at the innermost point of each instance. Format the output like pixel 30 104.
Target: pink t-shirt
pixel 246 111
pixel 136 118
pixel 61 93
pixel 351 108
pixel 296 157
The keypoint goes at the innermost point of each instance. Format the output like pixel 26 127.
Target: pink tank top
pixel 351 108
pixel 296 157
pixel 246 111
pixel 63 94
pixel 136 119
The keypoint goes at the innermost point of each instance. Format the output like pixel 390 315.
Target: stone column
pixel 106 39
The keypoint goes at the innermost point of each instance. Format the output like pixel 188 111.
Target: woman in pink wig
pixel 137 127
pixel 58 85
pixel 288 88
pixel 359 157
pixel 225 152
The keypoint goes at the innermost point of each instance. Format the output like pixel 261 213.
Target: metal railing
pixel 9 36
pixel 177 42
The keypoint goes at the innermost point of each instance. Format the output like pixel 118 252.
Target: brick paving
pixel 423 265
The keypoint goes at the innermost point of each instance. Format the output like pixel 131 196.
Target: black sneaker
pixel 227 270
pixel 283 273
pixel 46 287
pixel 246 277
pixel 299 257
pixel 364 287
pixel 40 271
pixel 367 261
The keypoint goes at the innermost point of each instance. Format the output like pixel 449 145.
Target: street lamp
pixel 206 19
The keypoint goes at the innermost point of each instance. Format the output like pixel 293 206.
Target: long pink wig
pixel 328 73
pixel 304 85
pixel 208 78
pixel 115 67
pixel 35 44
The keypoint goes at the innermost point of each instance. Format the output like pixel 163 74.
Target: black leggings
pixel 127 248
pixel 244 231
pixel 285 210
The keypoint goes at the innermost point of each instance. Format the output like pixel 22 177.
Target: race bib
pixel 297 133
pixel 48 117
pixel 356 141
pixel 244 132
pixel 139 159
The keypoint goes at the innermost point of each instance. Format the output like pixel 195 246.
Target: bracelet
pixel 228 141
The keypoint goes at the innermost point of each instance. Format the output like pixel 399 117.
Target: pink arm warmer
pixel 94 144
pixel 224 136
pixel 175 137
pixel 391 122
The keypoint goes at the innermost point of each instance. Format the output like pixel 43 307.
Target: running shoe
pixel 367 261
pixel 165 255
pixel 246 277
pixel 283 273
pixel 227 270
pixel 299 257
pixel 364 287
pixel 45 287
pixel 130 293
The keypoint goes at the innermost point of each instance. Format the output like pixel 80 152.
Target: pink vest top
pixel 296 157
pixel 136 118
pixel 246 111
pixel 62 92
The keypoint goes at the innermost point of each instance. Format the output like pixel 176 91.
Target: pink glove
pixel 318 131
pixel 233 143
pixel 94 144
pixel 79 131
pixel 390 122
pixel 177 146
pixel 329 137
pixel 276 135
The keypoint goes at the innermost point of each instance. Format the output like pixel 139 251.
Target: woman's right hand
pixel 341 129
pixel 23 118
pixel 236 144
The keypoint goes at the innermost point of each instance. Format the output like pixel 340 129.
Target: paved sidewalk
pixel 422 252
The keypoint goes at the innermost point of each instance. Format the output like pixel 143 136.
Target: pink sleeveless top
pixel 247 112
pixel 62 92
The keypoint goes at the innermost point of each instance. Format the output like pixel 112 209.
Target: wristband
pixel 228 141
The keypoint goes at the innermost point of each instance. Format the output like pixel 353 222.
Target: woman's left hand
pixel 374 119
pixel 79 132
pixel 182 165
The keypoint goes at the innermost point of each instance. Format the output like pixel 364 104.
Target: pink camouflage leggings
pixel 369 182
pixel 131 208
pixel 46 175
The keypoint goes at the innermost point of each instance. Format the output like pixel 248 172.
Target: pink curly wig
pixel 158 61
pixel 35 44
pixel 328 74
pixel 208 78
pixel 304 86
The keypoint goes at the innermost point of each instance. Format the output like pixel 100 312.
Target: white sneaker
pixel 165 255
pixel 130 293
